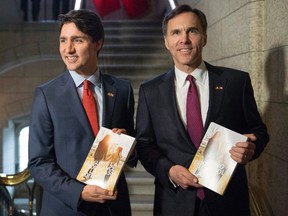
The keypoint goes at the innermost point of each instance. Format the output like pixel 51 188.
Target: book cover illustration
pixel 106 159
pixel 212 164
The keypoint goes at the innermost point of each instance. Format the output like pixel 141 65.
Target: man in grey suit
pixel 60 134
pixel 163 144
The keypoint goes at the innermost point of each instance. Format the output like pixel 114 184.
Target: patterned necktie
pixel 90 107
pixel 194 120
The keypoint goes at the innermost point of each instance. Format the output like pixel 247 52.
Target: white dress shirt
pixel 200 75
pixel 97 90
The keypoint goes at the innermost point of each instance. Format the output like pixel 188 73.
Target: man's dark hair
pixel 183 9
pixel 86 21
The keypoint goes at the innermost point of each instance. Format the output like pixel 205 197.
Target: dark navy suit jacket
pixel 60 138
pixel 162 140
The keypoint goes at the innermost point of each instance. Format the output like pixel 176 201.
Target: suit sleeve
pixel 253 119
pixel 42 161
pixel 132 161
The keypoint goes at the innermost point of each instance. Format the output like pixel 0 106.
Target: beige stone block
pixel 242 62
pixel 27 50
pixel 13 71
pixel 3 118
pixel 269 173
pixel 6 57
pixel 277 185
pixel 53 35
pixel 218 10
pixel 276 118
pixel 256 71
pixel 213 49
pixel 12 105
pixel 44 68
pixel 256 172
pixel 260 174
pixel 229 36
pixel 27 104
pixel 15 107
pixel 11 39
pixel 235 33
pixel 283 74
pixel 20 85
pixel 239 62
pixel 276 23
pixel 276 76
pixel 33 36
pixel 49 48
pixel 256 26
pixel 262 108
pixel 1 86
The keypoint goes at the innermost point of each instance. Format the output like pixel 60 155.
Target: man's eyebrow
pixel 175 30
pixel 193 27
pixel 73 37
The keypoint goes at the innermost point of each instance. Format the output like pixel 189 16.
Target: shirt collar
pixel 78 79
pixel 200 74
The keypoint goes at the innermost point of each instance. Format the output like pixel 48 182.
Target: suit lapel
pixel 168 96
pixel 70 94
pixel 109 97
pixel 217 85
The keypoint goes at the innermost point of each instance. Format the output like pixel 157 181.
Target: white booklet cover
pixel 212 164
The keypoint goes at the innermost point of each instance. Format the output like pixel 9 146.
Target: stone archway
pixel 18 81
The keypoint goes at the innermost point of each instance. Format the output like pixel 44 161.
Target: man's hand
pixel 182 177
pixel 243 152
pixel 93 193
pixel 123 131
pixel 119 131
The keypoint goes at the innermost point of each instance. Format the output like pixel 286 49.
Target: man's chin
pixel 71 68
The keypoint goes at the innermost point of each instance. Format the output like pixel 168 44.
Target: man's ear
pixel 205 40
pixel 166 43
pixel 98 45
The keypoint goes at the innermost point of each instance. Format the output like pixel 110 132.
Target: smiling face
pixel 185 40
pixel 77 50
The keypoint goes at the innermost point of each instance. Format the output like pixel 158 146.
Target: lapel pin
pixel 219 87
pixel 110 94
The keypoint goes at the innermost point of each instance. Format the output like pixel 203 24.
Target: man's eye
pixel 78 40
pixel 175 32
pixel 193 30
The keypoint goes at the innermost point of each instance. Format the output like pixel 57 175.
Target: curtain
pixel 135 8
pixel 105 7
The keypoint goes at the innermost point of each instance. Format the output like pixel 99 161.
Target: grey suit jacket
pixel 162 140
pixel 60 138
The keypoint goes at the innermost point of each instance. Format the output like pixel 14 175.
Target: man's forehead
pixel 184 20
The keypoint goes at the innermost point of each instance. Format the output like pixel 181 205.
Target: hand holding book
pixel 106 158
pixel 93 193
pixel 243 152
pixel 212 164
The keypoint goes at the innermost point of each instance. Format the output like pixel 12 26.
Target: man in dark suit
pixel 163 144
pixel 60 135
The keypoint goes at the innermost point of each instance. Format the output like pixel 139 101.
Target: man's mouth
pixel 71 58
pixel 185 49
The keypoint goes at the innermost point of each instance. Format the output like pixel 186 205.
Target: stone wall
pixel 252 36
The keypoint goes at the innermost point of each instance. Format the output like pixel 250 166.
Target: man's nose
pixel 70 47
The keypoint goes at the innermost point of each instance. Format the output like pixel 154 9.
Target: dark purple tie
pixel 193 113
pixel 194 119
